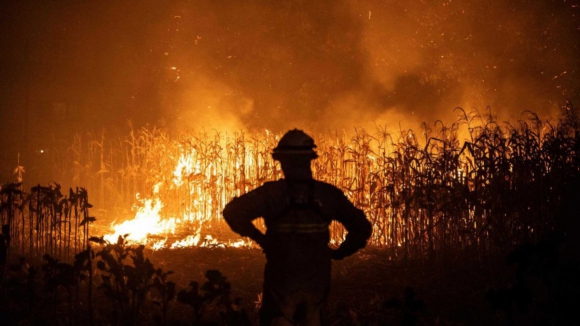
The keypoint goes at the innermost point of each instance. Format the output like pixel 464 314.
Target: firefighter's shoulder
pixel 275 184
pixel 269 188
pixel 328 189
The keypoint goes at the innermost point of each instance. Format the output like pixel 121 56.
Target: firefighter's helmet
pixel 295 142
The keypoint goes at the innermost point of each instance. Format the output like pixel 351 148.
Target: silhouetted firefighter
pixel 297 212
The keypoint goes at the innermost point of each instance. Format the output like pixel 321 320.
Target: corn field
pixel 43 222
pixel 426 193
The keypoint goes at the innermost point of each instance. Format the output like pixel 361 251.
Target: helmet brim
pixel 293 153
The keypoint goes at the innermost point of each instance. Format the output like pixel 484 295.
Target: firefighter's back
pixel 297 252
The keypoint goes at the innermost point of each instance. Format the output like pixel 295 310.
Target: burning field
pixel 434 202
pixel 425 193
pixel 126 127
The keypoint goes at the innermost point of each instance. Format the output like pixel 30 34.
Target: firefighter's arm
pixel 239 214
pixel 358 229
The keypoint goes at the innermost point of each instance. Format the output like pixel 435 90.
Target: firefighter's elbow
pixel 226 213
pixel 368 230
pixel 366 227
pixel 230 209
pixel 230 218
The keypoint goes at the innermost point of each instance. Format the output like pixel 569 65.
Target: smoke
pixel 338 64
pixel 264 64
pixel 310 64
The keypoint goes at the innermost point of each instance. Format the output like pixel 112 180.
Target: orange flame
pixel 149 222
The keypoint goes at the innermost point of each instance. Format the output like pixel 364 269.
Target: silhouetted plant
pixel 19 293
pixel 4 245
pixel 83 265
pixel 125 285
pixel 197 300
pixel 409 308
pixel 544 288
pixel 44 221
pixel 166 290
pixel 59 275
pixel 214 290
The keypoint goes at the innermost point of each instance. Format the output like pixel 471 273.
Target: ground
pixel 368 288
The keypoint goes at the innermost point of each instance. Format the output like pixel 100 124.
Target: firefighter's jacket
pixel 297 215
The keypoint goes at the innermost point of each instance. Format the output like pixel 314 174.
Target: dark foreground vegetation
pixel 480 233
pixel 534 285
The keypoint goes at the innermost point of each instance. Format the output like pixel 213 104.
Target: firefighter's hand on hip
pixel 336 254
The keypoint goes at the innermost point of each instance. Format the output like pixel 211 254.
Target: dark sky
pixel 70 66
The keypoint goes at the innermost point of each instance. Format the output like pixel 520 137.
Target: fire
pixel 154 227
pixel 189 241
pixel 149 223
pixel 146 220
pixel 412 192
pixel 185 166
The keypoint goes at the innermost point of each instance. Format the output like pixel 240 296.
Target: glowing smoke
pixel 333 63
pixel 277 64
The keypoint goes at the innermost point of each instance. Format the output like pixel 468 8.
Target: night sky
pixel 78 66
